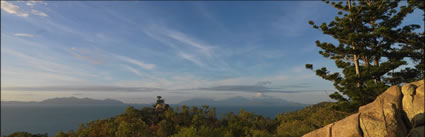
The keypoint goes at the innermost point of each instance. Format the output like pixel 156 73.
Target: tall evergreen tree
pixel 368 48
pixel 413 44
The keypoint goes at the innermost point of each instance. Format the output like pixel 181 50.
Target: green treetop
pixel 368 50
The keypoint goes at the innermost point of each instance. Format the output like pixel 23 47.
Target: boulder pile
pixel 398 112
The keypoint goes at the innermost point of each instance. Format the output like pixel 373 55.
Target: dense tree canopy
pixel 26 134
pixel 372 46
pixel 202 122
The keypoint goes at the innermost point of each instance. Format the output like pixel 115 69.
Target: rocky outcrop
pixel 413 102
pixel 382 117
pixel 398 112
pixel 348 127
pixel 323 132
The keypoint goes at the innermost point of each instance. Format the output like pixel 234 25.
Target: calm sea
pixel 52 118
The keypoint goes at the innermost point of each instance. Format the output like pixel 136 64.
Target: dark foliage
pixel 372 46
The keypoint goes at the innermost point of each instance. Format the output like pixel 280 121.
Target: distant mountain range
pixel 67 101
pixel 240 101
pixel 234 101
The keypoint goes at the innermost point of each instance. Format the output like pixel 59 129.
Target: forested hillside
pixel 162 121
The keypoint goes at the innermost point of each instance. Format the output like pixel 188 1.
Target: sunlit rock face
pixel 398 112
pixel 413 102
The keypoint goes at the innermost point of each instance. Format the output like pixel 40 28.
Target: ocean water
pixel 52 118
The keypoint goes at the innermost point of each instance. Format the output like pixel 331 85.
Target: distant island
pixel 66 101
pixel 233 101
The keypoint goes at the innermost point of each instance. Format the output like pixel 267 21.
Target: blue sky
pixel 134 51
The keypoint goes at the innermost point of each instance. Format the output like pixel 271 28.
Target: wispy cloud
pixel 13 9
pixel 294 22
pixel 39 13
pixel 192 83
pixel 189 41
pixel 83 88
pixel 136 62
pixel 14 76
pixel 23 35
pixel 191 59
pixel 16 10
pixel 36 62
pixel 252 88
pixel 45 63
pixel 32 3
pixel 208 14
pixel 87 55
pixel 243 88
pixel 131 69
pixel 187 47
pixel 171 55
pixel 296 86
pixel 299 69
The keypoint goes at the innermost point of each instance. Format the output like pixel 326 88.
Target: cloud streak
pixel 84 88
pixel 86 55
pixel 136 62
pixel 131 69
pixel 191 58
pixel 252 89
pixel 187 47
pixel 16 10
pixel 36 62
pixel 39 13
pixel 189 41
pixel 294 22
pixel 23 35
pixel 12 76
pixel 32 3
pixel 13 9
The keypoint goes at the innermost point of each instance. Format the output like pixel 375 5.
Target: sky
pixel 133 51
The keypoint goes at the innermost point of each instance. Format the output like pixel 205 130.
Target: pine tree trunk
pixel 366 61
pixel 356 65
pixel 355 57
pixel 349 4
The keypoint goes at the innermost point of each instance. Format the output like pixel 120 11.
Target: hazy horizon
pixel 134 51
